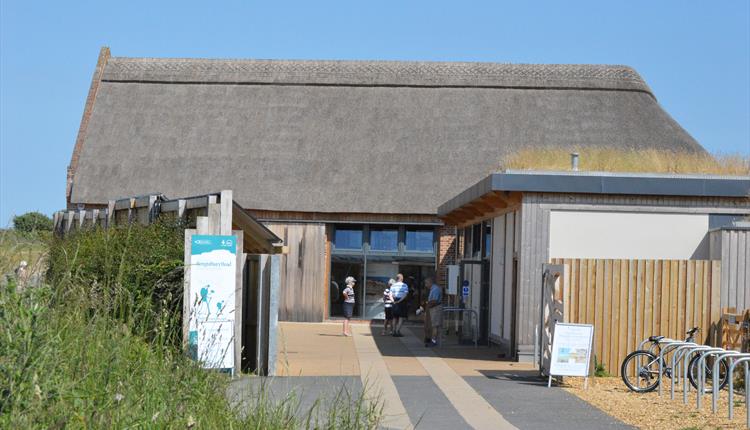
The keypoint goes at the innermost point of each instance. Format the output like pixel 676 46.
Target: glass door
pixel 378 274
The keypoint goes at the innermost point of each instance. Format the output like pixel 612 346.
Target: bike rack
pixel 686 362
pixel 677 356
pixel 730 374
pixel 664 349
pixel 715 371
pixel 702 375
pixel 474 330
pixel 663 340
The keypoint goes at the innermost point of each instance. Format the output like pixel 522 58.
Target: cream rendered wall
pixel 628 235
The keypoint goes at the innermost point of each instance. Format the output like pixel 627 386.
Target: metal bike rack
pixel 459 310
pixel 677 356
pixel 663 340
pixel 702 375
pixel 730 374
pixel 715 372
pixel 664 349
pixel 686 363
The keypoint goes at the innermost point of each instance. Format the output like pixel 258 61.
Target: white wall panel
pixel 593 234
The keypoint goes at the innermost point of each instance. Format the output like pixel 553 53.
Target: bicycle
pixel 640 369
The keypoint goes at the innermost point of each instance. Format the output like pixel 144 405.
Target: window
pixel 467 242
pixel 476 240
pixel 384 239
pixel 419 240
pixel 348 238
pixel 487 239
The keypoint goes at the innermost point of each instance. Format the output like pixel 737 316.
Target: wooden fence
pixel 630 300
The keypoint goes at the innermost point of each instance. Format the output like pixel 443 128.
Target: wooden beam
pixel 480 206
pixel 495 201
pixel 473 220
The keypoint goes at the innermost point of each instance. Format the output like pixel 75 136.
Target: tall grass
pixel 607 159
pixel 98 345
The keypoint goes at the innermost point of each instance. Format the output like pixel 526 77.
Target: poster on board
pixel 213 268
pixel 571 349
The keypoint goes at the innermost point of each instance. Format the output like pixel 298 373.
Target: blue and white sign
pixel 213 267
pixel 465 288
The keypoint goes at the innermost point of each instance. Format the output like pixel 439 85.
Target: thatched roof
pixel 345 136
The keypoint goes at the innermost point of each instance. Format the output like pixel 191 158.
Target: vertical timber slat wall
pixel 734 253
pixel 304 271
pixel 532 246
pixel 629 300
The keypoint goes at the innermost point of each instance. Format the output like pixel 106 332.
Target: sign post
pixel 213 268
pixel 571 351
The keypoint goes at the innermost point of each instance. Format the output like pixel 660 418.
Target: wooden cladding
pixel 304 272
pixel 630 300
pixel 490 205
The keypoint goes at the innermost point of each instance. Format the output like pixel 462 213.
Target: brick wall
pixel 447 245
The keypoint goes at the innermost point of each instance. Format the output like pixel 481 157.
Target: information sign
pixel 213 261
pixel 571 350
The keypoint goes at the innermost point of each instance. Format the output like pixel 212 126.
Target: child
pixel 388 305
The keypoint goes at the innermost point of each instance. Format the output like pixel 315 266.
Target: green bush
pixel 99 346
pixel 600 371
pixel 132 273
pixel 31 222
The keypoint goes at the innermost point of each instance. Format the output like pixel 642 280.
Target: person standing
pixel 434 310
pixel 400 292
pixel 388 307
pixel 348 303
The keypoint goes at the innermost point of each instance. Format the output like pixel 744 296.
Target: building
pixel 347 161
pixel 511 224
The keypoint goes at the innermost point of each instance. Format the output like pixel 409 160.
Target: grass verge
pixel 98 345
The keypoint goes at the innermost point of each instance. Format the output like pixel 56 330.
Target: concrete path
pixel 375 376
pixel 444 388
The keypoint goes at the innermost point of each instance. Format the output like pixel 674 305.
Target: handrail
pixel 730 374
pixel 457 309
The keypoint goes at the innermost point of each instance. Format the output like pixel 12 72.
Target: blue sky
pixel 695 55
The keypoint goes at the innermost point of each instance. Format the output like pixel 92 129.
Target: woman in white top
pixel 348 303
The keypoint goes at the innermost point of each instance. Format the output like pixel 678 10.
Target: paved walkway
pixel 445 388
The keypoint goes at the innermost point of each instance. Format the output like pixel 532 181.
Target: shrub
pixel 132 273
pixel 32 222
pixel 599 370
pixel 96 348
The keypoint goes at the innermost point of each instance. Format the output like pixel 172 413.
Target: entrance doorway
pixel 414 276
pixel 476 275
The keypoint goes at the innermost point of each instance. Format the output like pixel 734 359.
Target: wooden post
pixel 56 222
pixel 181 209
pixel 110 213
pixel 81 218
pixel 69 223
pixel 238 297
pixel 151 202
pixel 131 210
pixel 201 224
pixel 225 223
pixel 186 299
pixel 214 218
pixel 94 217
